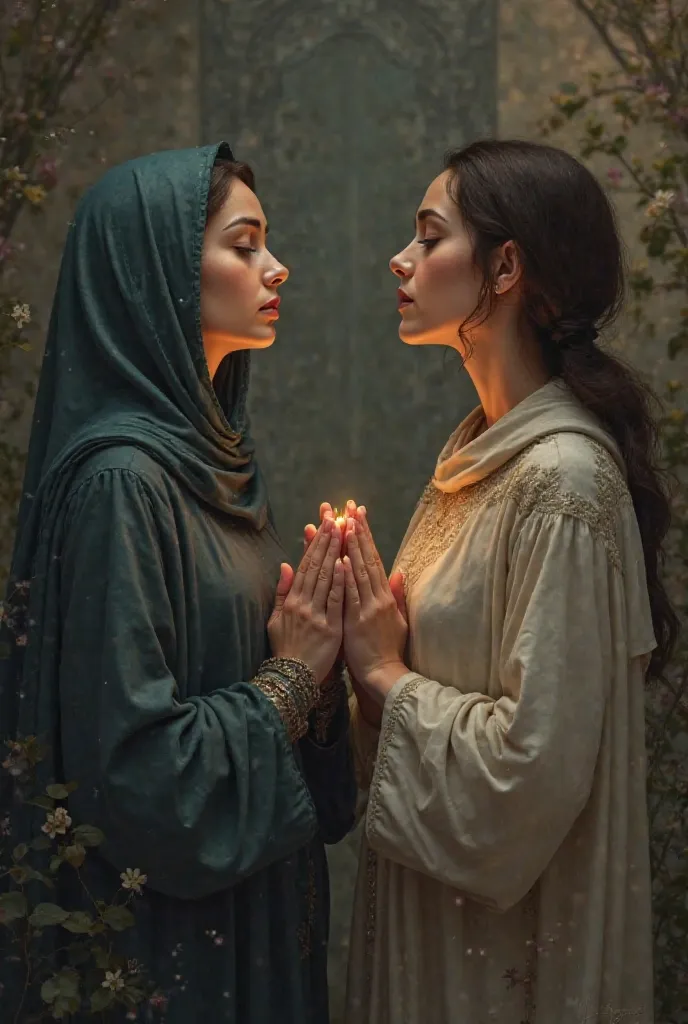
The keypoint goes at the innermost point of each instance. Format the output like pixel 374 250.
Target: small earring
pixel 497 289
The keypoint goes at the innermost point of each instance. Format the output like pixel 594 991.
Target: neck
pixel 505 366
pixel 214 353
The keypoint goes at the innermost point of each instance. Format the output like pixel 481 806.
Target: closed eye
pixel 428 242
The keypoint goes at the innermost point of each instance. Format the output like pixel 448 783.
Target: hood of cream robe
pixel 504 873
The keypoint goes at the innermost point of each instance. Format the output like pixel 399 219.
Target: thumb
pixel 284 585
pixel 396 585
pixel 308 535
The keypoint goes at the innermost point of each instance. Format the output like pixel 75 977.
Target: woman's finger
pixel 362 517
pixel 325 576
pixel 325 509
pixel 316 557
pixel 352 599
pixel 300 577
pixel 335 599
pixel 283 586
pixel 308 535
pixel 373 562
pixel 361 575
pixel 397 586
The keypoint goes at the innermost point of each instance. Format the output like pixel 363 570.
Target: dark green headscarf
pixel 124 364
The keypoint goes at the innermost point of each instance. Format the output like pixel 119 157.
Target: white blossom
pixel 133 879
pixel 113 980
pixel 21 314
pixel 57 822
pixel 662 200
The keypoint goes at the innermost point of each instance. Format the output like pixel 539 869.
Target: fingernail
pixel 363 510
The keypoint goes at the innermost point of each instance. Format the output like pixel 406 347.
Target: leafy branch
pixel 646 95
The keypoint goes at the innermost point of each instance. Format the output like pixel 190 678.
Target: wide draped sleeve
pixel 198 792
pixel 479 792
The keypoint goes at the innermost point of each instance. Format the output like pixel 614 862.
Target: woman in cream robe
pixel 506 847
pixel 504 870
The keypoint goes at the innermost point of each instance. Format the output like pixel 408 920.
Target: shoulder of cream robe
pixel 569 473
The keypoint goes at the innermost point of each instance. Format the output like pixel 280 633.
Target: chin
pixel 263 340
pixel 418 336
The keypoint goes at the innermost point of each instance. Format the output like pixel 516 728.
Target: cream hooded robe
pixel 504 874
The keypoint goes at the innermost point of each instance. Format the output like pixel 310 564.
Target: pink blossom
pixel 615 174
pixel 657 92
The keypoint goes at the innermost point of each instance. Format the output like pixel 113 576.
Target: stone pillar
pixel 344 109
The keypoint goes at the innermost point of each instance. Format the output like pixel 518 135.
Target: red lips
pixel 404 299
pixel 273 303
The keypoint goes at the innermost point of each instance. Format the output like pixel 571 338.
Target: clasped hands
pixel 339 603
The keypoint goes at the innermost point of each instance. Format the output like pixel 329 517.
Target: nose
pixel 401 265
pixel 276 275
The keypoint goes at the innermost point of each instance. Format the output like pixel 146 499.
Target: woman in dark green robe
pixel 143 577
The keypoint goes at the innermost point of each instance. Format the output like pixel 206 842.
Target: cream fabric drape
pixel 504 873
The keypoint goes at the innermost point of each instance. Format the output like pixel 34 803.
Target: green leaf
pixel 101 957
pixel 19 874
pixel 39 877
pixel 55 864
pixel 102 998
pixel 131 996
pixel 68 983
pixel 568 88
pixel 12 907
pixel 75 855
pixel 88 835
pixel 118 918
pixel 57 791
pixel 50 990
pixel 42 801
pixel 64 1006
pixel 47 914
pixel 41 842
pixel 19 852
pixel 79 954
pixel 78 922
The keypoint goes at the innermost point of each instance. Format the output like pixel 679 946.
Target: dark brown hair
pixel 223 174
pixel 563 225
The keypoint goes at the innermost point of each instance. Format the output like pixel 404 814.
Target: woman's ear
pixel 506 267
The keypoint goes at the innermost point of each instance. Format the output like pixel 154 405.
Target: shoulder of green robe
pixel 122 460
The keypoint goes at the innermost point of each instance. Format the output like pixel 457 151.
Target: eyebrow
pixel 251 221
pixel 428 212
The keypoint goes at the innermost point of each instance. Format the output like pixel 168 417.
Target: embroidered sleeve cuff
pixel 290 685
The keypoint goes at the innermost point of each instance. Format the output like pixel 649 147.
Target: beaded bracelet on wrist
pixel 290 684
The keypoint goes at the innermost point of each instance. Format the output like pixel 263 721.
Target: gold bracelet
pixel 290 684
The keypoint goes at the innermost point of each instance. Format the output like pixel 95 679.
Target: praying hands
pixel 374 618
